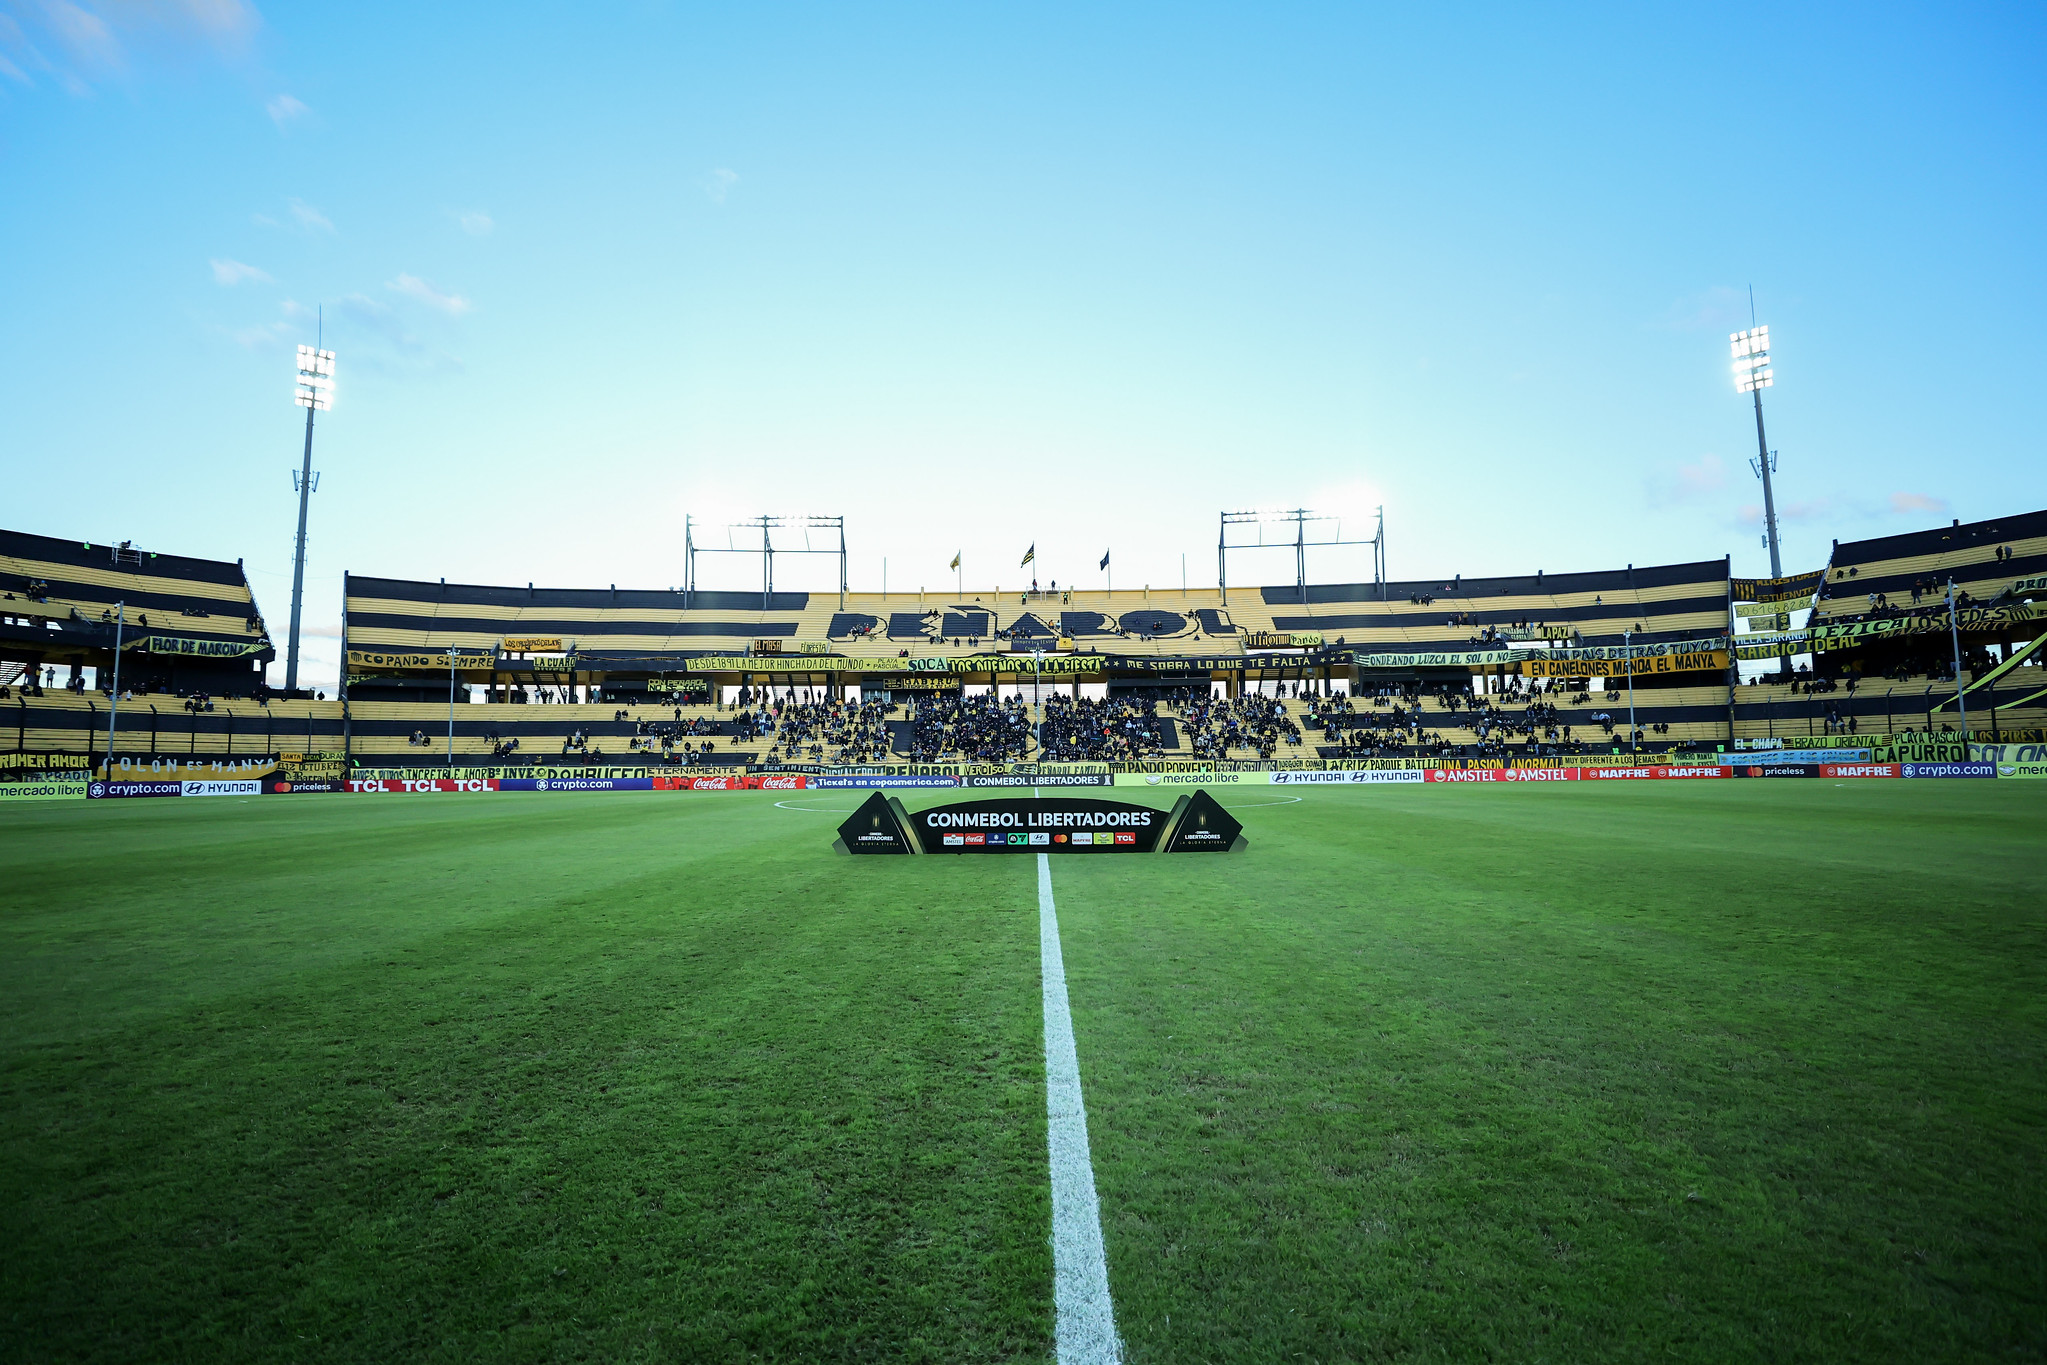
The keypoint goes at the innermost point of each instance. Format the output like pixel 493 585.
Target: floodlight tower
pixel 1752 374
pixel 315 394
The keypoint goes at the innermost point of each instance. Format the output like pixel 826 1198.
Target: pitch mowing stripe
pixel 1086 1330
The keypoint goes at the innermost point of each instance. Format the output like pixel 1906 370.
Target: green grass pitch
pixel 1698 1072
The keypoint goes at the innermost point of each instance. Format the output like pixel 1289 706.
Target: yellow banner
pixel 397 659
pixel 208 649
pixel 1703 661
pixel 48 763
pixel 1784 589
pixel 533 644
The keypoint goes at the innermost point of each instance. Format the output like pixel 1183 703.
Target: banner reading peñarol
pixel 1195 824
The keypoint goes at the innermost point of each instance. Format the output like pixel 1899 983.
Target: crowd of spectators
pixel 1519 721
pixel 1099 729
pixel 1239 727
pixel 832 729
pixel 977 729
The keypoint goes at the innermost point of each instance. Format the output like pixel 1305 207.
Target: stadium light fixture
pixel 1751 351
pixel 1752 374
pixel 316 379
pixel 314 393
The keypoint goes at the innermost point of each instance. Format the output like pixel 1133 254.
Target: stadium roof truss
pixel 765 526
pixel 1300 518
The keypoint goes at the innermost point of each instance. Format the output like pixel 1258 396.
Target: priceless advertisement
pixel 302 786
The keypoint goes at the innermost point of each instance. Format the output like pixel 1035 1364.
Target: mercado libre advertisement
pixel 47 787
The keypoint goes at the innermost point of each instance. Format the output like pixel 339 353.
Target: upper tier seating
pixel 1658 603
pixel 1898 573
pixel 61 597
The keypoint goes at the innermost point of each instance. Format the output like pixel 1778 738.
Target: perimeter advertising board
pixel 45 789
pixel 1055 824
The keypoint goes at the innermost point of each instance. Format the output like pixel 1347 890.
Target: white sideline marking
pixel 1253 805
pixel 821 810
pixel 1086 1332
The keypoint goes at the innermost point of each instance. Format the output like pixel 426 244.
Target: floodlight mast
pixel 315 393
pixel 1752 374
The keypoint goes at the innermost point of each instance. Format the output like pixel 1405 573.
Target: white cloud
pixel 95 40
pixel 82 33
pixel 719 183
pixel 284 108
pixel 231 273
pixel 310 218
pixel 476 223
pixel 454 305
pixel 1903 503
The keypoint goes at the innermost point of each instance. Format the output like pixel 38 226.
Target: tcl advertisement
pixel 437 784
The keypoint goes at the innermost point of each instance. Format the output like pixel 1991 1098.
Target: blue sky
pixel 978 277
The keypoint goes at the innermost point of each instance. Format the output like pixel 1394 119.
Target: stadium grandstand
pixel 192 646
pixel 1644 660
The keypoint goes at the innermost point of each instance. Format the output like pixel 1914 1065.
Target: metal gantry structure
pixel 765 526
pixel 1300 518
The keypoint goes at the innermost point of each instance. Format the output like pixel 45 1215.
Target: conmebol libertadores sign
pixel 1053 824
